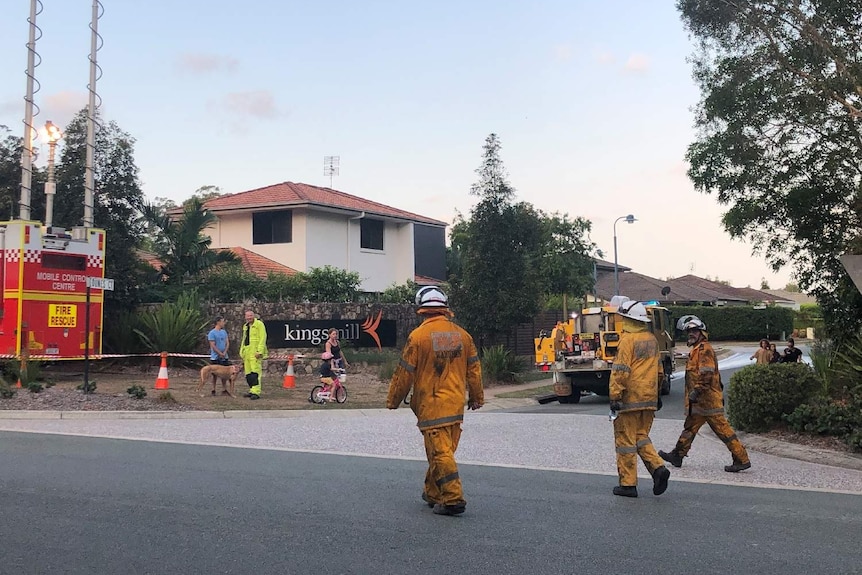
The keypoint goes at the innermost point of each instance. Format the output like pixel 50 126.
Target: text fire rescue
pixel 62 282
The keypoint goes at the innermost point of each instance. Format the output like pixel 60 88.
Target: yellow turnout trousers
pixel 719 425
pixel 631 438
pixel 442 483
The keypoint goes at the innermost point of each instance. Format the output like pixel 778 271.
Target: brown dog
pixel 227 374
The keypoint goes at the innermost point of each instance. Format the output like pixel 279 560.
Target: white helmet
pixel 688 322
pixel 619 300
pixel 634 310
pixel 431 296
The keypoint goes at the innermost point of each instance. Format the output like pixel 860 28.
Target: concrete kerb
pixel 800 452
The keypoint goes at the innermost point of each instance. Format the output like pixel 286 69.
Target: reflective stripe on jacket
pixel 636 372
pixel 438 362
pixel 701 373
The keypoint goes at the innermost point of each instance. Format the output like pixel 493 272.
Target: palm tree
pixel 181 244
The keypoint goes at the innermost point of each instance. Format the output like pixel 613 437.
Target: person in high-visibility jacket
pixel 438 362
pixel 252 350
pixel 634 393
pixel 704 401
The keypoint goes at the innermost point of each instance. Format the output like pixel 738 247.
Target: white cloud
pixel 240 108
pixel 604 57
pixel 637 63
pixel 256 104
pixel 61 107
pixel 200 63
pixel 562 52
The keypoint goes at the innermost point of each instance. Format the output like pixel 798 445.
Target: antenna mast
pixel 29 105
pixel 331 167
pixel 95 74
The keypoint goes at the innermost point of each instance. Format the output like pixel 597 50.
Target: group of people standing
pixel 253 350
pixel 767 353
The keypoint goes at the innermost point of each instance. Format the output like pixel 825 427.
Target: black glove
pixel 694 395
pixel 616 406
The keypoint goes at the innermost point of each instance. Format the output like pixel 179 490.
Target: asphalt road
pixel 672 404
pixel 89 505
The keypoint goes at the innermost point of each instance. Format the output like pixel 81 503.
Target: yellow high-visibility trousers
pixel 720 427
pixel 442 482
pixel 631 438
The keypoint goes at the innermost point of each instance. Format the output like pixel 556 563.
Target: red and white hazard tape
pixel 116 355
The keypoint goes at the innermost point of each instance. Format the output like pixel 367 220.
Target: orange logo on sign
pixel 370 326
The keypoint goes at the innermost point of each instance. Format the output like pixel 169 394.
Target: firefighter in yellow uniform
pixel 704 402
pixel 438 362
pixel 634 393
pixel 253 351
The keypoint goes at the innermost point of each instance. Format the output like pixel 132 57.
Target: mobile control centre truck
pixel 580 352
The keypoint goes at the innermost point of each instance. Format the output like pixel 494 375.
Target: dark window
pixel 272 227
pixel 371 234
pixel 51 261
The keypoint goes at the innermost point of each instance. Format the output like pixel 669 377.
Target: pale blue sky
pixel 592 101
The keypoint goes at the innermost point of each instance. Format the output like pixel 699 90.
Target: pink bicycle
pixel 320 394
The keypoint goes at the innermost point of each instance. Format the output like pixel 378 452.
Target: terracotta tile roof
pixel 250 261
pixel 287 194
pixel 259 265
pixel 149 258
pixel 427 281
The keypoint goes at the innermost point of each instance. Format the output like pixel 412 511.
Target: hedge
pixel 760 396
pixel 743 323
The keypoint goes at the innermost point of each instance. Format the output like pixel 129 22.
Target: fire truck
pixel 580 352
pixel 44 280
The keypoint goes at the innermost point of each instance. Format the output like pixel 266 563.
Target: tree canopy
pixel 508 256
pixel 779 141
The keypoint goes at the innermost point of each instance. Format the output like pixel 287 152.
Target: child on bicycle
pixel 327 376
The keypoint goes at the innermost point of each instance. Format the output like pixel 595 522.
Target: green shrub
pixel 501 365
pixel 137 392
pixel 739 323
pixel 34 387
pixel 166 397
pixel 6 392
pixel 31 372
pixel 91 387
pixel 175 327
pixel 119 332
pixel 761 395
pixel 824 416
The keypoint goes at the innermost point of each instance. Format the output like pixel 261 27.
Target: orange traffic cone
pixel 289 376
pixel 18 385
pixel 162 379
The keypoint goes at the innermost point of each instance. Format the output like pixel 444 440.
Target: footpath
pixel 565 442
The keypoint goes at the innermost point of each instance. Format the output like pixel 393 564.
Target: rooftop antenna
pixel 331 167
pixel 29 107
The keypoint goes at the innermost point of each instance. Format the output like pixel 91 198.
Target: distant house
pixel 302 227
pixel 684 290
pixel 793 300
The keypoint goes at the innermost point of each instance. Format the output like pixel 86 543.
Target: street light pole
pixel 53 133
pixel 630 219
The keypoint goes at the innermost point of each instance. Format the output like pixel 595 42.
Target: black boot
pixel 456 509
pixel 660 478
pixel 630 491
pixel 737 466
pixel 673 457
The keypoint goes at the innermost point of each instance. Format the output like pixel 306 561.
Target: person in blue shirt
pixel 219 342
